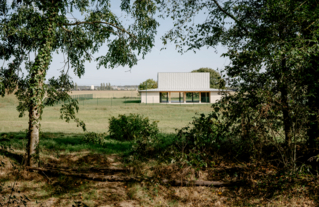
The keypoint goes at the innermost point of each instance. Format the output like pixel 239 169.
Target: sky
pixel 168 60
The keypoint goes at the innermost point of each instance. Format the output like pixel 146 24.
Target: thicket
pixel 273 51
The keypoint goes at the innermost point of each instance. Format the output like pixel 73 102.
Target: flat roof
pixel 185 90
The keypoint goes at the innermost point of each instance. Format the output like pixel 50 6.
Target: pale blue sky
pixel 168 60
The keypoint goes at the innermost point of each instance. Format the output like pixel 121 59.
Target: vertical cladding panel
pixel 183 80
pixel 153 97
pixel 149 97
pixel 143 97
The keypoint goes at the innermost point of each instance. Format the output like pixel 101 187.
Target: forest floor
pixel 258 184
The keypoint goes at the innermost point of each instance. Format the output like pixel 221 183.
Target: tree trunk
pixel 284 103
pixel 33 136
pixel 36 93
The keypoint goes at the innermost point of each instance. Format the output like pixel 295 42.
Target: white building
pixel 181 88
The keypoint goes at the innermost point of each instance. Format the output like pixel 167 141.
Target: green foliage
pixel 273 50
pixel 132 127
pixel 148 84
pixel 94 138
pixel 44 28
pixel 195 143
pixel 215 79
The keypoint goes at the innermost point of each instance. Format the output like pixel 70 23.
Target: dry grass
pixel 46 190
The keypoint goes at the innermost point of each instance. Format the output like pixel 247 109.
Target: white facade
pixel 182 83
pixel 150 97
pixel 214 96
pixel 92 87
pixel 183 80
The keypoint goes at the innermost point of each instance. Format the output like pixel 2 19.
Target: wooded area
pixel 264 137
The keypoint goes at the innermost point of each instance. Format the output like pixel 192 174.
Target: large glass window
pixel 192 97
pixel 205 97
pixel 196 97
pixel 189 97
pixel 163 97
pixel 176 97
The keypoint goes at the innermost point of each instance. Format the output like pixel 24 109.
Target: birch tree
pixel 44 27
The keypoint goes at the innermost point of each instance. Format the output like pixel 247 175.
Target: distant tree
pixel 148 84
pixel 215 79
pixel 75 86
pixel 109 86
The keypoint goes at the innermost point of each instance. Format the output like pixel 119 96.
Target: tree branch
pixel 231 16
pixel 123 178
pixel 100 22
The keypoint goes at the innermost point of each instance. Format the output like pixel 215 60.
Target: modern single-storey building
pixel 181 88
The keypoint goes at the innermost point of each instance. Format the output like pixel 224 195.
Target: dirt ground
pixel 42 189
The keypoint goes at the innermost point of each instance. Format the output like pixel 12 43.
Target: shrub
pixel 94 138
pixel 195 144
pixel 131 127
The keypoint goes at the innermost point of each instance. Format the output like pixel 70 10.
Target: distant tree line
pixel 105 86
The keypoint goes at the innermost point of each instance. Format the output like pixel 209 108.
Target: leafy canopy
pixel 32 31
pixel 273 50
pixel 148 84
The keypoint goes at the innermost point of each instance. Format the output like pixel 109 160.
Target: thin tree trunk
pixel 284 102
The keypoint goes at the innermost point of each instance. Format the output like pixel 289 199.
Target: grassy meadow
pixel 97 111
pixel 108 94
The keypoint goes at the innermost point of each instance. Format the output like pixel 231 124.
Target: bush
pixel 94 138
pixel 196 143
pixel 131 127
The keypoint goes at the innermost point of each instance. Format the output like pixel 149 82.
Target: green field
pixel 96 113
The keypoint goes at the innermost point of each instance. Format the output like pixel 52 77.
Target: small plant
pixel 94 138
pixel 131 127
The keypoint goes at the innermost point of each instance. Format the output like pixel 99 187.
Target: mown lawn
pixel 96 113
